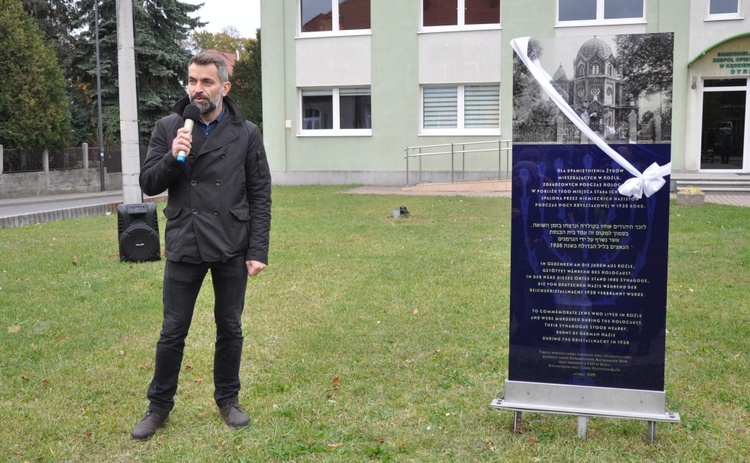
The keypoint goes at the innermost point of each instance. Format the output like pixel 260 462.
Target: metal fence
pixel 501 149
pixel 32 160
pixel 567 132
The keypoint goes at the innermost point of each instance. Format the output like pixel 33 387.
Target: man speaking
pixel 218 219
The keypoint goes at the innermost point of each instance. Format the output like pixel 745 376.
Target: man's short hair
pixel 205 59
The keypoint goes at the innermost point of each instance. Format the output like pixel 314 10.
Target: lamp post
pixel 99 97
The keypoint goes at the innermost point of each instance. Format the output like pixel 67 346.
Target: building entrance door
pixel 724 139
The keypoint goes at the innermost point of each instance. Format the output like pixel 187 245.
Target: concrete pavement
pixel 18 212
pixel 20 206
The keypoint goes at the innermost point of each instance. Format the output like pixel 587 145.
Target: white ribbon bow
pixel 648 182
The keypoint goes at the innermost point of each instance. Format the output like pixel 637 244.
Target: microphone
pixel 191 114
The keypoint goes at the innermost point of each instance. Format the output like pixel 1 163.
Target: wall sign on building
pixel 735 62
pixel 590 217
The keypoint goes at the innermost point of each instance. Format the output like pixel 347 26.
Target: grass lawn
pixel 368 338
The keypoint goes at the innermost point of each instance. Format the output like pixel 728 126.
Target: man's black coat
pixel 219 199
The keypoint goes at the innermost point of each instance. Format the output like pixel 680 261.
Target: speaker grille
pixel 138 232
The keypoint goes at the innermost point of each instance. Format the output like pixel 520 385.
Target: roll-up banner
pixel 590 226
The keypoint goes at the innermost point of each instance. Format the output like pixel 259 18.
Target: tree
pixel 247 87
pixel 161 63
pixel 228 41
pixel 530 107
pixel 33 105
pixel 54 19
pixel 647 61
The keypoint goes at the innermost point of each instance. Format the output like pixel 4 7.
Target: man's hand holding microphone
pixel 182 142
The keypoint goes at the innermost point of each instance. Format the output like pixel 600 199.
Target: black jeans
pixel 182 282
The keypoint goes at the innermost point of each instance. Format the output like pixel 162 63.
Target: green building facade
pixel 348 85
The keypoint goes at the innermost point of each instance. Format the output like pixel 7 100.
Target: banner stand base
pixel 585 402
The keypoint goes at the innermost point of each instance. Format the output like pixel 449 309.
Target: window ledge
pixel 727 17
pixel 460 132
pixel 465 28
pixel 334 133
pixel 329 34
pixel 603 22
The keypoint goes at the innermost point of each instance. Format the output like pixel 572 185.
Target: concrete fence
pixel 51 182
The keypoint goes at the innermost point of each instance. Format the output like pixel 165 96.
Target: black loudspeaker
pixel 138 232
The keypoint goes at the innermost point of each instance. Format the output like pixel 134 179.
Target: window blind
pixel 440 107
pixel 481 106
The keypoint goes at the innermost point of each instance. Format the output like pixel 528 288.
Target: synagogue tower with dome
pixel 597 89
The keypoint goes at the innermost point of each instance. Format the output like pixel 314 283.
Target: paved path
pixel 19 212
pixel 21 206
pixel 741 200
pixel 30 211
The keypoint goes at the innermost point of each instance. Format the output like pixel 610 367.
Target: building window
pixel 336 109
pixel 482 106
pixel 440 107
pixel 355 108
pixel 599 10
pixel 334 15
pixel 461 108
pixel 437 13
pixel 719 7
pixel 317 109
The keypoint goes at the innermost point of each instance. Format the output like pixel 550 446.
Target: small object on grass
pixel 401 211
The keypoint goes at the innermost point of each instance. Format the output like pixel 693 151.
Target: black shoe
pixel 148 425
pixel 234 415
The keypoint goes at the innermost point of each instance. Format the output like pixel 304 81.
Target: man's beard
pixel 208 106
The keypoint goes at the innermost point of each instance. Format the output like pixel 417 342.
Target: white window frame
pixel 460 20
pixel 461 112
pixel 336 131
pixel 736 88
pixel 600 20
pixel 334 26
pixel 723 16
